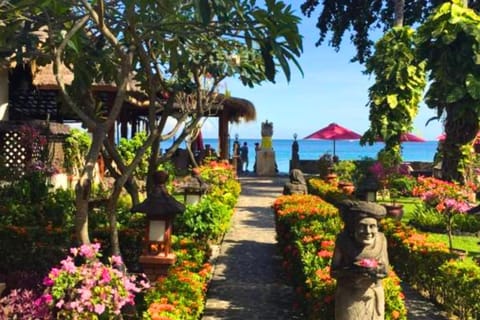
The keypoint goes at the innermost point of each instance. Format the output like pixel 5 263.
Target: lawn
pixel 467 243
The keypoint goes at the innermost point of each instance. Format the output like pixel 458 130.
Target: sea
pixel 344 149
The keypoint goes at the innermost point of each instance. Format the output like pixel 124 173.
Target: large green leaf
pixel 473 86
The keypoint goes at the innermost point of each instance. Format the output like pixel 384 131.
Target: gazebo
pixel 33 95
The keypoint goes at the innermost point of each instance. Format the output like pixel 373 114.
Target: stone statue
pixel 297 183
pixel 360 261
pixel 267 133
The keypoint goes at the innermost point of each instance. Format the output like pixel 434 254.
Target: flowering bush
pixel 23 304
pixel 428 266
pixel 222 178
pixel 181 295
pixel 90 289
pixel 448 198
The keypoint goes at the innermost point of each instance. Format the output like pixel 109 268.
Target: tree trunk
pixel 84 186
pixel 399 9
pixel 112 215
pixel 82 192
pixel 461 127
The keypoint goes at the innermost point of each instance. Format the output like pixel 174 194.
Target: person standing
pixel 244 156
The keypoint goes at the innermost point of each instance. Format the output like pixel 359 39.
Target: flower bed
pixel 306 228
pixel 427 265
pixel 180 295
pixel 432 269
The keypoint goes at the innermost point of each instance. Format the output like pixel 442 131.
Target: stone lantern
pixel 160 209
pixel 193 189
pixel 367 190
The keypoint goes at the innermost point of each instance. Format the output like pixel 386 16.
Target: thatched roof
pixel 238 109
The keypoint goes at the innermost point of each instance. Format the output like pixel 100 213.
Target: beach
pixel 344 149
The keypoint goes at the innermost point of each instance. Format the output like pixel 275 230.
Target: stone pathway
pixel 247 282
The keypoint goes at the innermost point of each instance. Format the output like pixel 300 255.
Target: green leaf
pixel 473 86
pixel 392 100
pixel 456 94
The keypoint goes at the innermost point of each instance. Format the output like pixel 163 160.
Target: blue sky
pixel 333 89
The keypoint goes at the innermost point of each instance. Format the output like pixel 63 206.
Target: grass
pixel 467 243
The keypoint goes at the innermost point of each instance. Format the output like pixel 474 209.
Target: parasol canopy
pixel 408 137
pixel 334 132
pixel 443 136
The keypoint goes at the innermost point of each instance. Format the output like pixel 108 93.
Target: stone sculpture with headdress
pixel 359 262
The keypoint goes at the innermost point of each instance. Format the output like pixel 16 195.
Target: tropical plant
pixel 449 43
pixel 395 96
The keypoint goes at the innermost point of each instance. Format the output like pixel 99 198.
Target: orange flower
pixel 395 314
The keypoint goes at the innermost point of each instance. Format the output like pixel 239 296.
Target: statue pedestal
pixel 266 163
pixel 157 266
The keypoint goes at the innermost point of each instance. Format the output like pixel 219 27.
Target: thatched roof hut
pixel 44 102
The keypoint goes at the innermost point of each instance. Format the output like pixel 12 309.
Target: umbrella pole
pixel 333 147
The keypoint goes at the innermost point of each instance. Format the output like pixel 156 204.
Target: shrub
pixel 23 304
pixel 83 287
pixel 207 220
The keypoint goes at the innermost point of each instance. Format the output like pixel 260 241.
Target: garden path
pixel 248 281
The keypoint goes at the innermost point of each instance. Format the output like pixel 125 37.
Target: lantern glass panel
pixel 192 198
pixel 371 196
pixel 156 230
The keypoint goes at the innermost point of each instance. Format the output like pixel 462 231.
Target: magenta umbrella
pixel 443 136
pixel 334 132
pixel 408 137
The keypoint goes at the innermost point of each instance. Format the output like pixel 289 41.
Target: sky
pixel 332 89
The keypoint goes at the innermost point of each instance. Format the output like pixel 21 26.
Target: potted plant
pixel 344 170
pixel 394 209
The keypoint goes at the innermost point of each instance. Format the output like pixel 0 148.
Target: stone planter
pixel 394 211
pixel 347 187
pixel 332 179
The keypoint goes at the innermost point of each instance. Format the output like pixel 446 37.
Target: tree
pixel 395 96
pixel 176 53
pixel 365 19
pixel 449 42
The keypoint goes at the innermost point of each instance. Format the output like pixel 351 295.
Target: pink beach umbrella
pixel 334 132
pixel 443 136
pixel 408 137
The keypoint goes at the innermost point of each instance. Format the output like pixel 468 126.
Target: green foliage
pixel 206 220
pixel 345 169
pixel 75 148
pixel 461 283
pixel 449 42
pixel 362 20
pixel 395 96
pixel 404 184
pixel 128 148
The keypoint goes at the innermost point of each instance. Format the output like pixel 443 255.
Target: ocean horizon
pixel 344 149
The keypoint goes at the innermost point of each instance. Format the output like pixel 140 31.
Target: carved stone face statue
pixel 365 231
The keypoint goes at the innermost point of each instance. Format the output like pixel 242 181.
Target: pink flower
pixel 368 263
pixel 48 282
pixel 99 308
pixel 117 260
pixel 69 265
pixel 106 275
